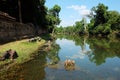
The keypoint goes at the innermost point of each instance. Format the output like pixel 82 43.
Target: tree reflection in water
pixel 97 51
pixel 99 48
pixel 103 49
pixel 52 55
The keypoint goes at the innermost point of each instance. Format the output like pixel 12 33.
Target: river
pixel 95 59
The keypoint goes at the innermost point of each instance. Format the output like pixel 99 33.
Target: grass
pixel 24 49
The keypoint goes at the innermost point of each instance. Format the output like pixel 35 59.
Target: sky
pixel 75 10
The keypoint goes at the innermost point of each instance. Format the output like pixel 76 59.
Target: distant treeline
pixel 103 23
pixel 32 11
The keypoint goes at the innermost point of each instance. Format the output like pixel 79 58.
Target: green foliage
pixel 77 28
pixel 56 9
pixel 53 53
pixel 114 19
pixel 103 22
pixel 100 48
pixel 103 49
pixel 53 17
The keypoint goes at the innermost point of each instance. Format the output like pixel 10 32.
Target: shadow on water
pixel 95 59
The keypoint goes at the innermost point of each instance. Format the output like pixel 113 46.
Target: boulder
pixel 9 54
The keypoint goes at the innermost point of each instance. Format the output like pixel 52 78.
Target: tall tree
pixel 53 17
pixel 100 13
pixel 113 18
pixel 20 14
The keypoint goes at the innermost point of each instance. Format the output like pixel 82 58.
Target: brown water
pixel 95 59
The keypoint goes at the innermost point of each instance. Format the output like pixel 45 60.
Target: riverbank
pixel 24 49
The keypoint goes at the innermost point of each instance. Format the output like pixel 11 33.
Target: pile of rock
pixel 9 54
pixel 35 39
pixel 69 64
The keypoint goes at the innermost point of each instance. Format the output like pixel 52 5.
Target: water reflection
pixel 98 50
pixel 103 49
pixel 96 59
pixel 52 55
pixel 34 69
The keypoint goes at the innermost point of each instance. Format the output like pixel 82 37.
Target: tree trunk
pixel 20 15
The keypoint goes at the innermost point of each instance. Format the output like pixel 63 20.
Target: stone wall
pixel 6 17
pixel 14 30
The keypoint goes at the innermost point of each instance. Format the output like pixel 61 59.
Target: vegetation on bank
pixel 103 23
pixel 24 48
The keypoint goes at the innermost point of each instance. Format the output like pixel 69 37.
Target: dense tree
pixel 103 22
pixel 100 13
pixel 78 28
pixel 53 17
pixel 113 19
pixel 102 49
pixel 81 26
